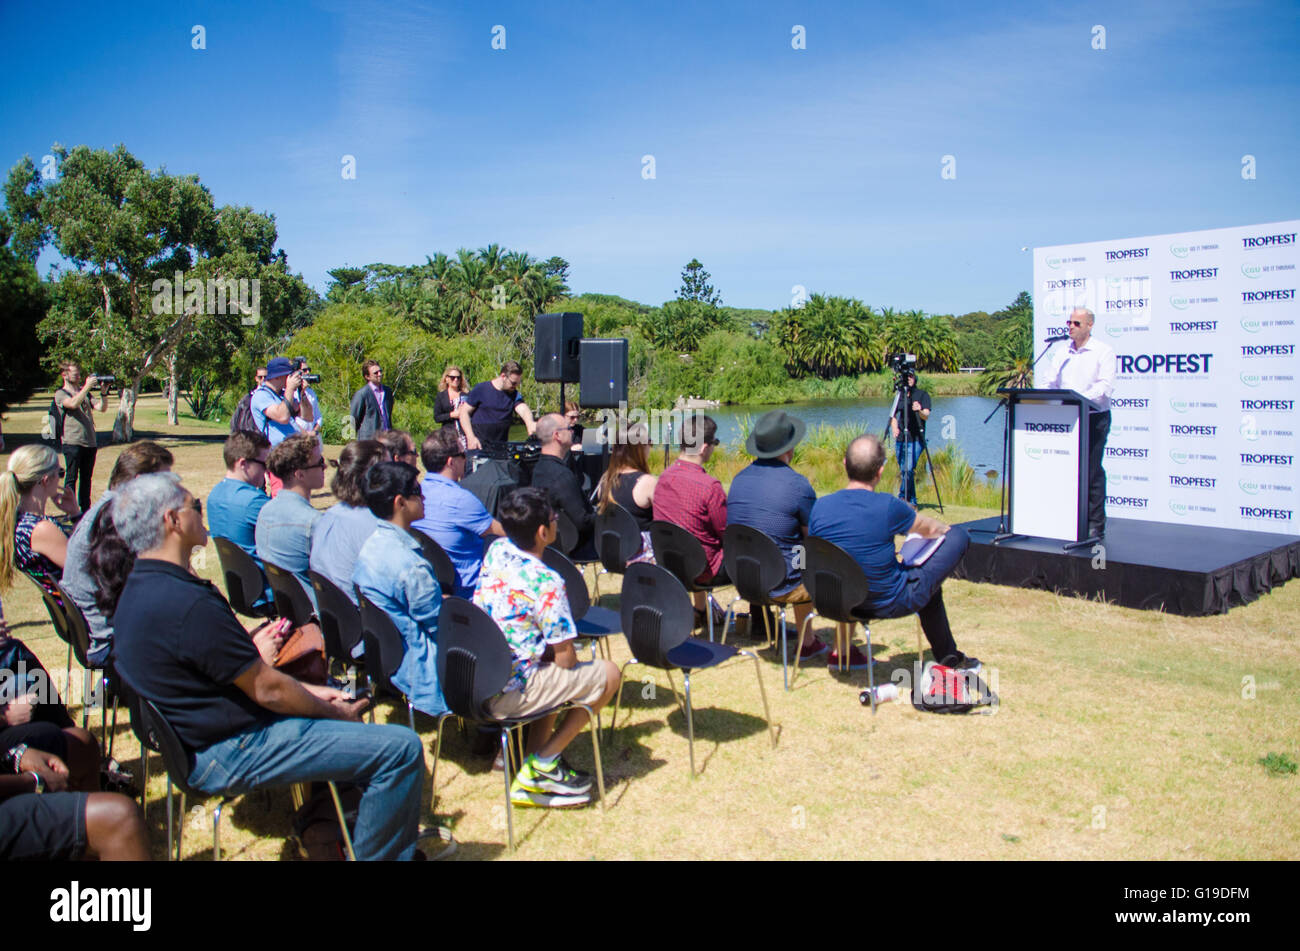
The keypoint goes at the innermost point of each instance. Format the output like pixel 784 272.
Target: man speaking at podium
pixel 1087 366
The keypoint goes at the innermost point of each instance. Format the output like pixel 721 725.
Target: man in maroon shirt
pixel 688 496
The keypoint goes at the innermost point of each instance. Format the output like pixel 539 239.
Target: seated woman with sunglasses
pixel 30 541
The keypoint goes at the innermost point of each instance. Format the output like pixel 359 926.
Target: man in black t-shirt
pixel 912 411
pixel 244 723
pixel 492 405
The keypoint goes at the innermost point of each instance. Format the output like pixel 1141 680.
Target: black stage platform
pixel 1156 566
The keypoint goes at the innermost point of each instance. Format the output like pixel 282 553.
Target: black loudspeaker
pixel 555 348
pixel 604 373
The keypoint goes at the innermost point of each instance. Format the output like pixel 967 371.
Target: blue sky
pixel 775 167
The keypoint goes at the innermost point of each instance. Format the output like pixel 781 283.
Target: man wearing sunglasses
pixel 285 523
pixel 1088 367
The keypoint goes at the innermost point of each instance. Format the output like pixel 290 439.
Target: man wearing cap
pixel 276 404
pixel 771 497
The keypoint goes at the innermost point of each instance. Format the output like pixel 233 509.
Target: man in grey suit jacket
pixel 372 405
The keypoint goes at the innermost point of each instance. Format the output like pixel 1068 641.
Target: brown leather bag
pixel 302 655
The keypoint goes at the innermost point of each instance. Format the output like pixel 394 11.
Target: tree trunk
pixel 172 419
pixel 124 424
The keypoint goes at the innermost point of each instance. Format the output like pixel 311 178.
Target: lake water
pixel 958 417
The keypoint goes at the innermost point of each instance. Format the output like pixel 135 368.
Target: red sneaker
pixel 857 659
pixel 814 648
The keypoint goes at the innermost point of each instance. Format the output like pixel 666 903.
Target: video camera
pixel 104 377
pixel 298 364
pixel 902 364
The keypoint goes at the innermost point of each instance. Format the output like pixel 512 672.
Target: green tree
pixel 1013 361
pixel 23 301
pixel 932 339
pixel 696 286
pixel 828 337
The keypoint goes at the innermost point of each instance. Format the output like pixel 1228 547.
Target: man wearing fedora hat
pixel 771 497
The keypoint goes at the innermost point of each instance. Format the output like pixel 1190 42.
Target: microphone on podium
pixel 1056 339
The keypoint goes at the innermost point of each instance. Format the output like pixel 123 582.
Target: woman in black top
pixel 452 388
pixel 628 482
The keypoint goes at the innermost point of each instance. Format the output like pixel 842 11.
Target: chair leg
pixel 144 784
pixel 690 721
pixel 595 751
pixel 730 615
pixel 871 669
pixel 618 697
pixel 113 734
pixel 785 655
pixel 216 831
pixel 803 633
pixel 343 824
pixel 674 689
pixel 505 772
pixel 180 828
pixel 762 692
pixel 67 678
pixel 919 654
pixel 437 752
pixel 169 818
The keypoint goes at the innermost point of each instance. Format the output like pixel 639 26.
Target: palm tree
pixel 1013 364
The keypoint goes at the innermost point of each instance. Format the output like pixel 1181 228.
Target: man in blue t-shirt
pixel 278 405
pixel 864 523
pixel 236 501
pixel 492 405
pixel 453 517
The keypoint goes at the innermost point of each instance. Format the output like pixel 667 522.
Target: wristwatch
pixel 40 783
pixel 16 754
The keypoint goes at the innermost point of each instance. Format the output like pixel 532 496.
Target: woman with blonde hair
pixel 29 541
pixel 452 390
pixel 628 482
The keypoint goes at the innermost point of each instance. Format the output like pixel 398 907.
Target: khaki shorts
pixel 797 596
pixel 551 686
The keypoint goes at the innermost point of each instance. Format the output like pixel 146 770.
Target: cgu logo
pixel 1178 457
pixel 1250 488
pixel 1250 379
pixel 1252 271
pixel 1250 326
pixel 1053 263
pixel 1178 508
pixel 1178 406
pixel 1034 452
pixel 1179 303
pixel 1116 330
pixel 1179 250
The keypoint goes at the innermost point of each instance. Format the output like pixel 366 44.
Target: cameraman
pixel 308 394
pixel 76 402
pixel 908 428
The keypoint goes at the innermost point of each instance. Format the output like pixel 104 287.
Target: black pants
pixel 79 461
pixel 1098 430
pixel 922 595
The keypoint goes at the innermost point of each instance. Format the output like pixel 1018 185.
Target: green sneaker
pixel 561 778
pixel 525 797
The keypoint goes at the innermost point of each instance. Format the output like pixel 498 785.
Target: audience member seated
pixel 864 523
pixel 453 517
pixel 29 541
pixel 627 482
pixel 177 643
pixel 345 525
pixel 136 459
pixel 31 715
pixel 41 821
pixel 528 602
pixel 285 524
pixel 399 446
pixel 236 501
pixel 688 496
pixel 553 474
pixel 771 497
pixel 393 573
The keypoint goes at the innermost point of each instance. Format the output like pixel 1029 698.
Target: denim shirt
pixel 284 528
pixel 394 575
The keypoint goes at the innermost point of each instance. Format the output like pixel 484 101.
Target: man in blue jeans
pixel 245 724
pixel 911 413
pixel 864 523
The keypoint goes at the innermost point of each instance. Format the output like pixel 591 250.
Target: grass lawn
pixel 1121 734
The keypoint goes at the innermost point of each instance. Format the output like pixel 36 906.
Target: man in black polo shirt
pixel 491 405
pixel 553 474
pixel 245 724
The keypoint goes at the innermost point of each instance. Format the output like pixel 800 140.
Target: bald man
pixel 864 523
pixel 552 473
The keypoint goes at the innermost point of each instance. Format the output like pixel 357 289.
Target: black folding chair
pixel 755 565
pixel 474 663
pixel 436 555
pixel 291 598
pixel 595 624
pixel 180 763
pixel 79 641
pixel 617 540
pixel 682 554
pixel 245 583
pixel 658 619
pixel 340 621
pixel 384 651
pixel 59 620
pixel 148 743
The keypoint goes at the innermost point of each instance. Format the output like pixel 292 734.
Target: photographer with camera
pixel 309 395
pixel 907 424
pixel 279 405
pixel 75 402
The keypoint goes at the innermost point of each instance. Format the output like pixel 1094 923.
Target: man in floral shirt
pixel 528 602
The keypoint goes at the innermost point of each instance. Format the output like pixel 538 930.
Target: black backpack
pixel 54 424
pixel 241 420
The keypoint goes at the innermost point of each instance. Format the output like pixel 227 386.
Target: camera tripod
pixel 903 392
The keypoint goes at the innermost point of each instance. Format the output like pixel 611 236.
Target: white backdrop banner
pixel 1204 417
